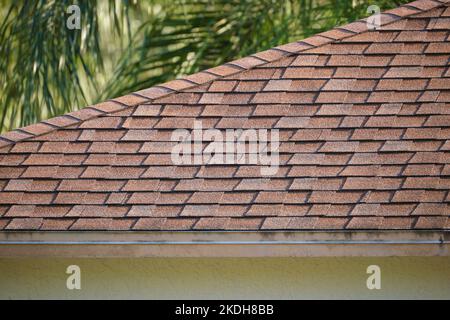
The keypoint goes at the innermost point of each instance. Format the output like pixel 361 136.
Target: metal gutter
pixel 225 244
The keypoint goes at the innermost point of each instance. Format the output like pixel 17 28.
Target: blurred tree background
pixel 123 46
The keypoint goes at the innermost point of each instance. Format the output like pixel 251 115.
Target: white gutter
pixel 224 244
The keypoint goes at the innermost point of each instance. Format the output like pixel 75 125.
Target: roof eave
pixel 225 244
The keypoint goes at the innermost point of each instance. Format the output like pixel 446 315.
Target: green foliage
pixel 47 69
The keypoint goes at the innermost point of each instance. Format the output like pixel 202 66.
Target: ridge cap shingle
pixel 152 94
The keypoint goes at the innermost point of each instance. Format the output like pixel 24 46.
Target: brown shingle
pixel 236 98
pixel 56 224
pixel 316 184
pixel 222 86
pixel 394 121
pixel 224 70
pixel 397 223
pixel 97 211
pixel 102 224
pixel 365 223
pixel 418 196
pixel 270 55
pixel 431 222
pixel 147 110
pixel 101 123
pixel 20 211
pixel 228 224
pixel 216 172
pixel 206 198
pixel 164 224
pixel 308 72
pixel 225 110
pixel 364 130
pixel 330 210
pixel 315 171
pixel 442 47
pixel 432 209
pixel 264 210
pixel 237 197
pixel 331 97
pixel 250 86
pixel 139 123
pixel 271 197
pixel 293 47
pixel 263 184
pixel 276 223
pixel 308 60
pixel 426 183
pixel 359 73
pixel 334 197
pixel 376 183
pixel 153 211
pixel 325 223
pixel 207 185
pixel 436 121
pixel 26 147
pixel 4 223
pixel 25 224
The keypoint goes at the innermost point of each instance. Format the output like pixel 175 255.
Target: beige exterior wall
pixel 226 278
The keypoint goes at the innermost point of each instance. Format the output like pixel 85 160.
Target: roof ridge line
pixel 152 94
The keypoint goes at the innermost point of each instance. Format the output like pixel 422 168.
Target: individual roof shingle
pixel 363 120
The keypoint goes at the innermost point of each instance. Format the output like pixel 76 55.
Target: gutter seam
pixel 439 242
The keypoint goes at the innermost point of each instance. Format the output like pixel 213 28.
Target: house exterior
pixel 344 192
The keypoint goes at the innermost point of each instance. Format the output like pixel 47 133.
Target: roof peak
pixel 152 94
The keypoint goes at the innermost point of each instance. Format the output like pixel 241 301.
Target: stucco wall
pixel 282 278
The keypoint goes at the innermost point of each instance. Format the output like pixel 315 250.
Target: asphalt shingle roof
pixel 363 118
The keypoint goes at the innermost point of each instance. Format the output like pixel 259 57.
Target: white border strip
pixel 224 244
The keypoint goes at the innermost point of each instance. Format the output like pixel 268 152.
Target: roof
pixel 364 127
